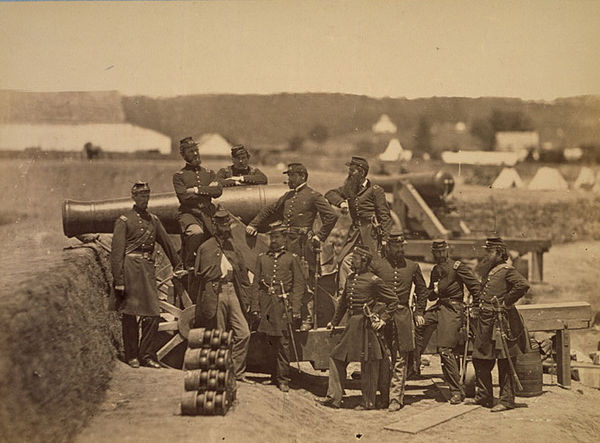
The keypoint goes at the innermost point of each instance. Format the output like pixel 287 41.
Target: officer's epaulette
pixel 376 187
pixel 154 216
pixel 456 264
pixel 507 266
pixel 122 217
pixel 374 277
pixel 179 172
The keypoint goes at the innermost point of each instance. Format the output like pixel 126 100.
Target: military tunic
pixel 132 262
pixel 359 341
pixel 196 208
pixel 252 176
pixel 368 203
pixel 298 209
pixel 506 284
pixel 272 269
pixel 400 276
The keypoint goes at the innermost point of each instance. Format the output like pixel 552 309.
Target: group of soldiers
pixel 381 293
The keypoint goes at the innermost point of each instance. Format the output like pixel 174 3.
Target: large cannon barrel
pixel 99 216
pixel 431 185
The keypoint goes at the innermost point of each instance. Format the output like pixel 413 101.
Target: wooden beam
pixel 554 316
pixel 563 358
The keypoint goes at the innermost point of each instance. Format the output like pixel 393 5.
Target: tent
pixel 548 179
pixel 585 179
pixel 508 178
pixel 394 152
pixel 214 146
pixel 384 126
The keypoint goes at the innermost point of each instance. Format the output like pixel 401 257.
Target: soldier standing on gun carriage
pixel 499 329
pixel 278 288
pixel 240 173
pixel 221 296
pixel 195 186
pixel 400 274
pixel 370 213
pixel 298 209
pixel 446 286
pixel 370 303
pixel 132 265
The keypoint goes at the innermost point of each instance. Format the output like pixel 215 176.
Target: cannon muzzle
pixel 99 216
pixel 433 186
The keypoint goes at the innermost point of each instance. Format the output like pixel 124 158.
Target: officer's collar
pixel 277 252
pixel 300 186
pixel 140 210
pixel 192 167
pixel 398 263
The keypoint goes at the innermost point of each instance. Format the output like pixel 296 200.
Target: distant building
pixel 66 121
pixel 384 126
pixel 515 141
pixel 214 146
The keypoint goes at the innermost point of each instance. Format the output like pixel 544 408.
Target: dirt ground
pixel 142 405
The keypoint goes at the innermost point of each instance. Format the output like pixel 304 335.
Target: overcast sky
pixel 529 49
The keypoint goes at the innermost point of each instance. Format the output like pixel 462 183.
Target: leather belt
pixel 143 254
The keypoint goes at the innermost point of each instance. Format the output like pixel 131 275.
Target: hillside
pixel 271 120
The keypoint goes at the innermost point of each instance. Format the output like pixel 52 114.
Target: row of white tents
pixel 547 178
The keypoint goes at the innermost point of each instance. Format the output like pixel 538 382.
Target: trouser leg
pixel 343 273
pixel 241 335
pixel 207 306
pixel 193 237
pixel 398 381
pixel 422 337
pixel 148 342
pixel 337 378
pixel 385 374
pixel 483 380
pixel 507 387
pixel 129 327
pixel 282 371
pixel 369 381
pixel 451 370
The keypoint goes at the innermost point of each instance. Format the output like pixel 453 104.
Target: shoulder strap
pixel 456 265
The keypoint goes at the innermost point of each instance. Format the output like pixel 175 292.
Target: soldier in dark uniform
pixel 132 264
pixel 359 342
pixel 298 209
pixel 400 274
pixel 370 213
pixel 278 282
pixel 195 186
pixel 223 278
pixel 446 286
pixel 240 173
pixel 501 287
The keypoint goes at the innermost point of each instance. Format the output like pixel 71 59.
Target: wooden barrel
pixel 529 371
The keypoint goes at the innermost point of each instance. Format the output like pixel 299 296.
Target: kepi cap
pixel 396 235
pixel 439 245
pixel 298 168
pixel 494 242
pixel 277 226
pixel 361 162
pixel 363 251
pixel 222 217
pixel 187 142
pixel 238 150
pixel 139 187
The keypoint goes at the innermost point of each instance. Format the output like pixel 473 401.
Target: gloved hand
pixel 179 273
pixel 378 324
pixel 251 231
pixel 316 242
pixel 419 320
pixel 344 207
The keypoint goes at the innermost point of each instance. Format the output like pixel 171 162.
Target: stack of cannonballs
pixel 210 380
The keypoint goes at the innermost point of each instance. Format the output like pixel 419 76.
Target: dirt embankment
pixel 58 345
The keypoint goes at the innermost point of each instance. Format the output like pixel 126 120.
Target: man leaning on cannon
pixel 132 263
pixel 240 173
pixel 499 329
pixel 370 303
pixel 298 210
pixel 195 187
pixel 368 208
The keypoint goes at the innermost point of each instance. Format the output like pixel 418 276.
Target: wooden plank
pixel 536 270
pixel 430 418
pixel 563 358
pixel 553 316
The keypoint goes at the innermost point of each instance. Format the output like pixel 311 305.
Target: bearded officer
pixel 370 213
pixel 446 288
pixel 240 173
pixel 278 286
pixel 195 187
pixel 501 287
pixel 364 291
pixel 400 274
pixel 298 209
pixel 221 295
pixel 132 264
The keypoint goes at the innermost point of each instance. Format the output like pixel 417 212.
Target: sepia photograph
pixel 299 221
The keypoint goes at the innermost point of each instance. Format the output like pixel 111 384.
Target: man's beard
pixel 486 265
pixel 396 257
pixel 353 184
